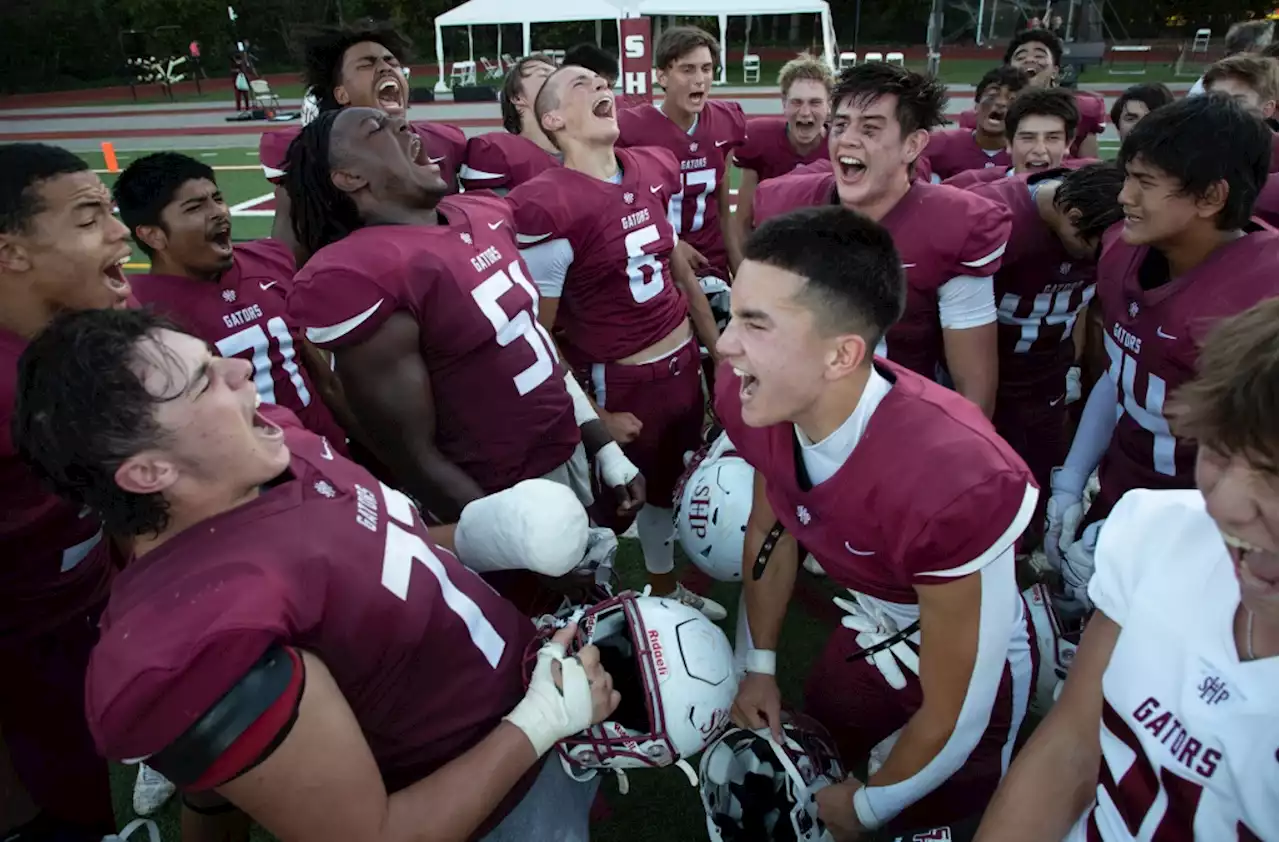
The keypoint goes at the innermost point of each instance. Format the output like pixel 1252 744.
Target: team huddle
pixel 319 529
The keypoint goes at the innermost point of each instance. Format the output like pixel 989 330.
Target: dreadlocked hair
pixel 1094 191
pixel 323 53
pixel 320 212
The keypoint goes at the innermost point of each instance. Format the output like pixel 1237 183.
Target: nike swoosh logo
pixel 494 226
pixel 1056 402
pixel 325 452
pixel 720 143
pixel 264 287
pixel 435 160
pixel 1160 332
pixel 655 188
pixel 908 266
pixel 863 553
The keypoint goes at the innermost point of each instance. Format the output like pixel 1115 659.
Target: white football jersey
pixel 1190 734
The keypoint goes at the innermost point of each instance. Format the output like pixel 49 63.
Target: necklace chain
pixel 1248 634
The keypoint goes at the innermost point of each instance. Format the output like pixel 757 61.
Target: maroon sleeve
pixel 336 304
pixel 987 234
pixel 1267 208
pixel 631 126
pixel 542 212
pixel 273 148
pixel 752 154
pixel 974 525
pixel 485 166
pixel 1093 114
pixel 967 120
pixel 738 125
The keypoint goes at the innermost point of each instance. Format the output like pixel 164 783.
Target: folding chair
pixel 262 94
pixel 491 70
pixel 847 60
pixel 895 58
pixel 1201 42
pixel 870 57
pixel 750 68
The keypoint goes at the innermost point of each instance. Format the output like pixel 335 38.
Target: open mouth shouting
pixel 116 281
pixel 994 123
pixel 603 107
pixel 850 168
pixel 220 238
pixel 262 428
pixel 390 94
pixel 747 384
pixel 1256 568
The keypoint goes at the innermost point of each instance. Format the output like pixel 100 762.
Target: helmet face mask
pixel 673 669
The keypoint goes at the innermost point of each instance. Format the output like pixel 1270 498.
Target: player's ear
pixel 153 236
pixel 347 182
pixel 14 257
pixel 341 96
pixel 147 472
pixel 1210 202
pixel 1269 109
pixel 848 352
pixel 915 144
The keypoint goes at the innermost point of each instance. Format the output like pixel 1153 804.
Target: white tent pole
pixel 500 65
pixel 828 37
pixel 599 32
pixel 528 43
pixel 746 46
pixel 441 87
pixel 724 48
pixel 471 48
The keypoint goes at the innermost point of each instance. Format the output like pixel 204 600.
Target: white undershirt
pixel 822 459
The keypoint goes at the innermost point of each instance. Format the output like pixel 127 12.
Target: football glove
pixel 874 627
pixel 1077 568
pixel 1062 513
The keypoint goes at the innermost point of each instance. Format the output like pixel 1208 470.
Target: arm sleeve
pixel 484 167
pixel 336 308
pixel 966 302
pixel 549 263
pixel 988 235
pixel 748 156
pixel 876 805
pixel 1093 435
pixel 1119 559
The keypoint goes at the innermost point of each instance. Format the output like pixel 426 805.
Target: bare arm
pixel 767 598
pixel 330 390
pixel 389 389
pixel 282 226
pixel 322 784
pixel 742 217
pixel 704 324
pixel 1089 147
pixel 972 361
pixel 728 226
pixel 1053 779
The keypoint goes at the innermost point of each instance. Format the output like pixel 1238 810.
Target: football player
pixel 428 310
pixel 1136 102
pixel 953 151
pixel 362 67
pixel 777 145
pixel 907 497
pixel 233 297
pixel 289 635
pixel 60 249
pixel 702 133
pixel 1045 280
pixel 1186 256
pixel 1038 53
pixel 1250 81
pixel 1166 724
pixel 499 161
pixel 950 240
pixel 1037 127
pixel 600 247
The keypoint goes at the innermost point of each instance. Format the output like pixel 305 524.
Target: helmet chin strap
pixel 683 766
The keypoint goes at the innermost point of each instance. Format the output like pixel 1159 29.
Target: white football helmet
pixel 758 790
pixel 1056 650
pixel 713 503
pixel 674 671
pixel 310 107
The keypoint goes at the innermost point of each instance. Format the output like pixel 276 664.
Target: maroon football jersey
pixel 502 412
pixel 702 154
pixel 1040 291
pixel 1093 119
pixel 953 151
pixel 1267 207
pixel 445 145
pixel 56 562
pixel 969 179
pixel 501 161
pixel 769 152
pixel 940 232
pixel 1153 337
pixel 1275 152
pixel 618 296
pixel 244 315
pixel 330 561
pixel 933 486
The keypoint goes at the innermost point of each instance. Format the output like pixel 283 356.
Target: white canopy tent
pixel 528 12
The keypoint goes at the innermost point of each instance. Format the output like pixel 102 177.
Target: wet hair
pixel 593 58
pixel 1003 76
pixel 1043 102
pixel 511 89
pixel 1201 140
pixel 1094 192
pixel 1258 73
pixel 921 99
pixel 805 66
pixel 82 410
pixel 682 40
pixel 321 213
pixel 1231 404
pixel 853 274
pixel 147 186
pixel 1151 94
pixel 1036 36
pixel 323 54
pixel 23 167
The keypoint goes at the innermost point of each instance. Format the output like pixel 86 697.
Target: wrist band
pixel 763 661
pixel 862 808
